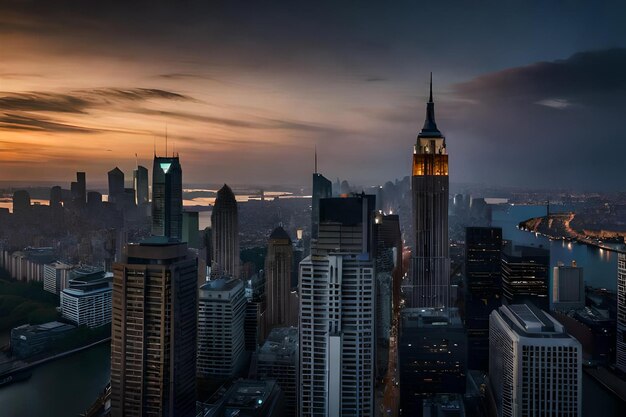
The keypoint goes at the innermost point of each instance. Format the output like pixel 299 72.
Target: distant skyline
pixel 527 93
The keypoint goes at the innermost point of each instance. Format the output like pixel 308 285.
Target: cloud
pixel 79 101
pixel 20 122
pixel 585 77
pixel 555 103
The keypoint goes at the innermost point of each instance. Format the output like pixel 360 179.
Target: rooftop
pixel 528 320
pixel 281 343
pixel 431 318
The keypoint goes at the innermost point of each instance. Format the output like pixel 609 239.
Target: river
pixel 66 387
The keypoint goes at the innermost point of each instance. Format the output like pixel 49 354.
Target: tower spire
pixel 430 126
pixel 431 87
pixel 316 158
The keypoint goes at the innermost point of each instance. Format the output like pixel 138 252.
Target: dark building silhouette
pixel 432 357
pixel 483 271
pixel 225 234
pixel 279 311
pixel 94 201
pixel 21 202
pixel 525 275
pixel 153 340
pixel 140 183
pixel 80 197
pixel 167 197
pixel 56 196
pixel 116 184
pixel 322 188
pixel 430 188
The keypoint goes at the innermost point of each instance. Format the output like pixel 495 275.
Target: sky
pixel 526 93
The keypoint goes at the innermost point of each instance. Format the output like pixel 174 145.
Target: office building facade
pixel 153 340
pixel 535 367
pixel 278 271
pixel 568 287
pixel 525 275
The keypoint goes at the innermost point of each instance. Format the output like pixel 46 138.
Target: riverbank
pixel 558 227
pixel 22 365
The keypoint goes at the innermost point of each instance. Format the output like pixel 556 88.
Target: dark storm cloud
pixel 80 101
pixel 586 77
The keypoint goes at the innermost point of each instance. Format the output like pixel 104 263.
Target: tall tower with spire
pixel 430 285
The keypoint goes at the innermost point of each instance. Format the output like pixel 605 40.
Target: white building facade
pixel 90 308
pixel 535 367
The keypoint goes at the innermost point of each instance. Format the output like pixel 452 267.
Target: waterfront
pixel 599 266
pixel 63 388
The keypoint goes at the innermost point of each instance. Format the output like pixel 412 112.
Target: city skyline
pixel 217 89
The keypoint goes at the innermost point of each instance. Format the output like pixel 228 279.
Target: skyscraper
pixel 221 313
pixel 336 375
pixel 153 340
pixel 167 197
pixel 80 195
pixel 620 353
pixel 525 275
pixel 278 265
pixel 483 271
pixel 430 189
pixel 21 202
pixel 535 367
pixel 225 234
pixel 140 183
pixel 116 184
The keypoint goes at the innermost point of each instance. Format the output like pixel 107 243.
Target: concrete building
pixel 568 288
pixel 535 367
pixel 21 203
pixel 337 312
pixel 225 234
pixel 277 359
pixel 432 356
pixel 56 277
pixel 221 313
pixel 87 300
pixel 430 277
pixel 153 340
pixel 620 350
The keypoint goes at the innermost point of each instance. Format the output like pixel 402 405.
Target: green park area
pixel 22 303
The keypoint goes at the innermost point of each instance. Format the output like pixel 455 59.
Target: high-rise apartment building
pixel 430 286
pixel 153 340
pixel 225 234
pixel 525 275
pixel 221 313
pixel 620 352
pixel 568 288
pixel 483 272
pixel 535 367
pixel 87 299
pixel 167 197
pixel 278 267
pixel 337 313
